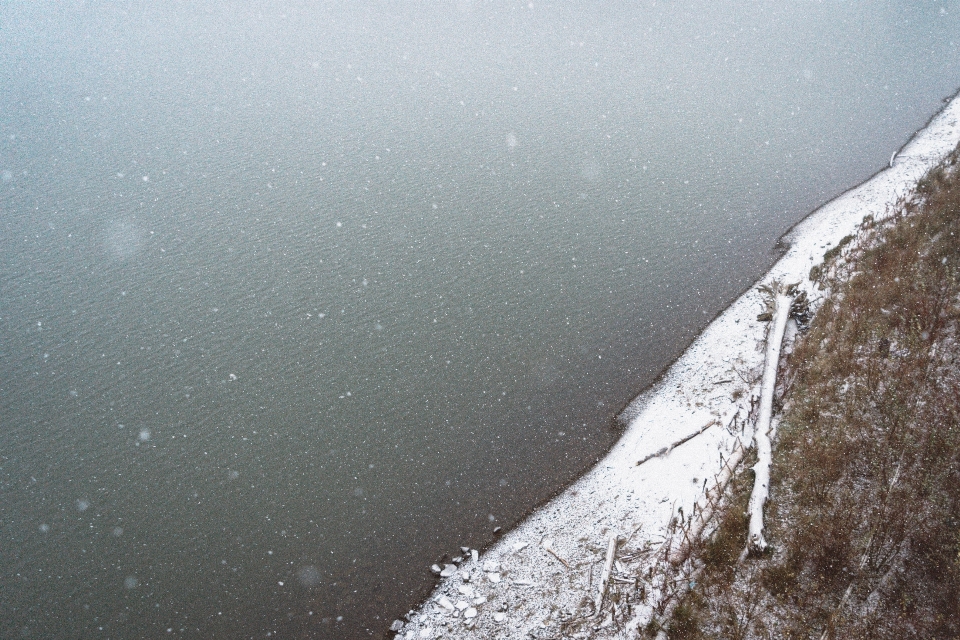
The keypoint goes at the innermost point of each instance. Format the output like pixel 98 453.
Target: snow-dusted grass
pixel 866 482
pixel 541 579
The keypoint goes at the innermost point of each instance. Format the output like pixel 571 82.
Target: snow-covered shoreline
pixel 545 572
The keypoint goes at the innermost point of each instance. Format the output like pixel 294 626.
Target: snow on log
pixel 761 485
pixel 605 576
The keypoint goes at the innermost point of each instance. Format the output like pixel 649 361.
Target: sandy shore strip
pixel 541 579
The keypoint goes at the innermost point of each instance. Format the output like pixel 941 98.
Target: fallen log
pixel 761 486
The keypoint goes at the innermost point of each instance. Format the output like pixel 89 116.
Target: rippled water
pixel 296 298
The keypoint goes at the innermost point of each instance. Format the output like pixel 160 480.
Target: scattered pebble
pixel 470 613
pixel 448 570
pixel 499 616
pixel 493 577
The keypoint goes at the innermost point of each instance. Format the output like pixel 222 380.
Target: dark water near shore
pixel 295 299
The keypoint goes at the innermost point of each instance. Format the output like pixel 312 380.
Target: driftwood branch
pixel 547 545
pixel 605 575
pixel 670 447
pixel 761 487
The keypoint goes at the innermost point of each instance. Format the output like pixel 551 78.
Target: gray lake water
pixel 297 297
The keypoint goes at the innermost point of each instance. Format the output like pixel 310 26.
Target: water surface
pixel 295 297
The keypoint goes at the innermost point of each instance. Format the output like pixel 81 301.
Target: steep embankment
pixel 864 511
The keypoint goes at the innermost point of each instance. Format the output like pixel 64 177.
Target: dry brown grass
pixel 865 502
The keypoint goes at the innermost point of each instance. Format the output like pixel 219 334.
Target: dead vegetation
pixel 864 511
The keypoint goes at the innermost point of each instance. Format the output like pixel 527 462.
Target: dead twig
pixel 545 543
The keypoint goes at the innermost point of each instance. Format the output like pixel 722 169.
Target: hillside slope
pixel 864 510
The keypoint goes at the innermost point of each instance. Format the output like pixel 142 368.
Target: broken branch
pixel 549 549
pixel 670 447
pixel 605 575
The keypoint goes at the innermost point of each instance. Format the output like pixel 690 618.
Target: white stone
pixel 444 602
pixel 493 577
pixel 470 613
pixel 448 570
pixel 499 616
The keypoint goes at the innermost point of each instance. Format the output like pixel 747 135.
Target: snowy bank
pixel 542 580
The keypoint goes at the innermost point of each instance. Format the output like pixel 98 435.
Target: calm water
pixel 294 299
